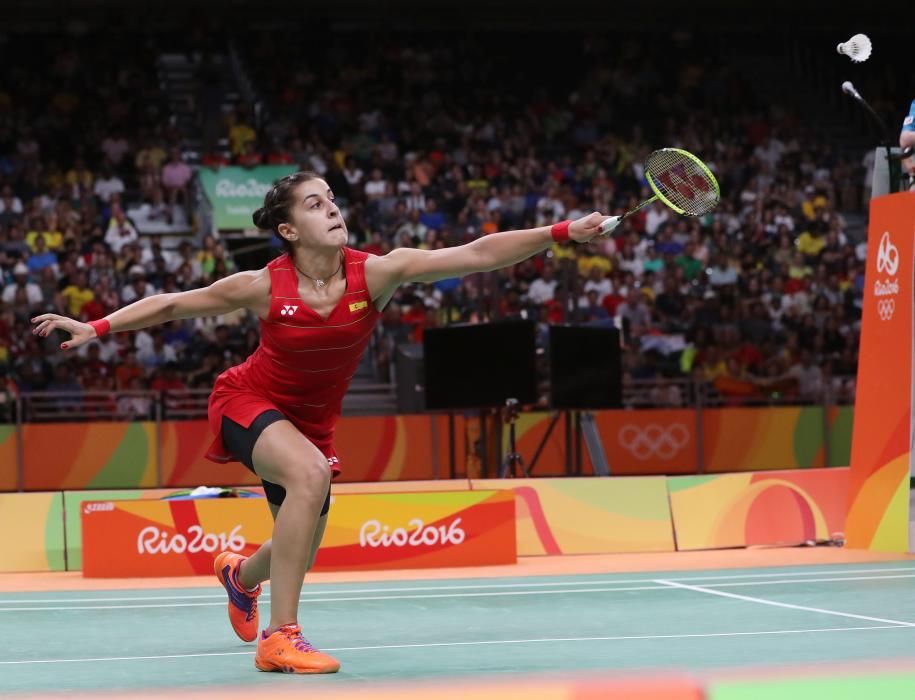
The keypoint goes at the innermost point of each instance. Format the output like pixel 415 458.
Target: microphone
pixel 849 90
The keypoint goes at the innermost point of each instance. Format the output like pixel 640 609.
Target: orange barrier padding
pixel 649 442
pixel 878 513
pixel 184 445
pixel 589 515
pixel 763 508
pixel 418 530
pixel 8 459
pixel 60 456
pixel 402 447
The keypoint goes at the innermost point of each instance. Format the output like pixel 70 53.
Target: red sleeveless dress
pixel 303 364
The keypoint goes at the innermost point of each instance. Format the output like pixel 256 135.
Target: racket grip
pixel 610 225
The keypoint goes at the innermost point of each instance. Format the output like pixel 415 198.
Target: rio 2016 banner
pixel 882 439
pixel 236 192
pixel 364 531
pixel 419 530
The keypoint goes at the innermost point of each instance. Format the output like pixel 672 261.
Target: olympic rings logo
pixel 887 256
pixel 886 308
pixel 662 442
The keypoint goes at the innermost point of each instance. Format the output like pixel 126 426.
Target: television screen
pixel 480 365
pixel 585 368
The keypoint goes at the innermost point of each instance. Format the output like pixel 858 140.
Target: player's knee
pixel 310 476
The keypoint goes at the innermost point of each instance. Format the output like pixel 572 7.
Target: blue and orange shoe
pixel 287 651
pixel 242 603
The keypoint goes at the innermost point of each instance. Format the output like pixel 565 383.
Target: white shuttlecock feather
pixel 858 48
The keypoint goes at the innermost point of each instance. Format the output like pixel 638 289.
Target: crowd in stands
pixel 426 147
pixel 433 146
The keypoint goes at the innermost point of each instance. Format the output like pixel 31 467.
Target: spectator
pixel 128 370
pixel 77 295
pixel 108 184
pixel 138 287
pixel 32 291
pixel 176 174
pixel 121 231
pixel 42 257
pixel 135 406
pixel 158 354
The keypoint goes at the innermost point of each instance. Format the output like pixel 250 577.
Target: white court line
pixel 347 599
pixel 777 604
pixel 485 642
pixel 20 604
pixel 484 586
pixel 808 580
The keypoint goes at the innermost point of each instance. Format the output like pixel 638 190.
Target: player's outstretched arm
pixel 241 290
pixel 492 252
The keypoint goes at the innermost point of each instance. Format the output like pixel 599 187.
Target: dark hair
pixel 278 202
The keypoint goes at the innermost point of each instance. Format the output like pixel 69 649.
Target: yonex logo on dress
pixel 663 442
pixel 288 310
pixel 887 255
pixel 331 461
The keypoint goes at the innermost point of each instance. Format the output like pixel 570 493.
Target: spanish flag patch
pixel 356 306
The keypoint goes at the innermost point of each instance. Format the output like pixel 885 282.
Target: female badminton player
pixel 318 304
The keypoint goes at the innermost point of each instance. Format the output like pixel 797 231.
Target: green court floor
pixel 136 639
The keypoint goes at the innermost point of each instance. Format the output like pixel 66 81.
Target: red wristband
pixel 102 327
pixel 560 231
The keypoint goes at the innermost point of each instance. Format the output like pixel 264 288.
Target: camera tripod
pixel 513 463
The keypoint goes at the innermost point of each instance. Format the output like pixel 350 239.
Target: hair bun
pixel 260 219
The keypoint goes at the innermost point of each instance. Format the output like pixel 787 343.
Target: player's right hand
pixel 80 333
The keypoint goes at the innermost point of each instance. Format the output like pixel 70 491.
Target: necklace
pixel 319 283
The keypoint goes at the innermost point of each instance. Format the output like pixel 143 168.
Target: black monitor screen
pixel 480 365
pixel 585 370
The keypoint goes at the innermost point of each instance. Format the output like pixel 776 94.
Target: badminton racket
pixel 678 179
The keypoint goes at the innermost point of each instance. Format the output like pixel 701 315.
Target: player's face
pixel 315 217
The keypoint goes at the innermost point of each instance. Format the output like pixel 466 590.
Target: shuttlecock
pixel 858 48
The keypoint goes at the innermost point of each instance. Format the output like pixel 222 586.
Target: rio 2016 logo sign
pixel 885 290
pixel 151 540
pixel 416 534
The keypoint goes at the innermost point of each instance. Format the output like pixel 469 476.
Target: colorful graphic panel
pixel 418 530
pixel 768 508
pixel 881 449
pixel 758 439
pixel 594 515
pixel 33 527
pixel 59 456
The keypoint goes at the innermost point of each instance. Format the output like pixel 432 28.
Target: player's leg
pixel 256 568
pixel 283 456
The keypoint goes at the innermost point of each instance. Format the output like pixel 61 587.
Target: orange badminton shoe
pixel 287 651
pixel 242 603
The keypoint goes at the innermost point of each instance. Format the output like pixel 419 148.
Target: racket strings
pixel 682 181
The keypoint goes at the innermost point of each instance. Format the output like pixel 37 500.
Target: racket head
pixel 682 181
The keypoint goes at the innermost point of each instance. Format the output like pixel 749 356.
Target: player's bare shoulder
pixel 249 289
